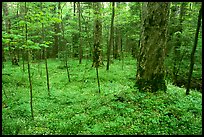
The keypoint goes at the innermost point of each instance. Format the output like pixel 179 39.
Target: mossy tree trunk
pixel 150 65
pixel 97 53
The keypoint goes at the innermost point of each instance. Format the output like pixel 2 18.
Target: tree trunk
pixel 111 36
pixel 45 55
pixel 117 40
pixel 29 76
pixel 47 72
pixel 193 51
pixel 74 8
pixel 56 37
pixel 66 48
pixel 97 53
pixel 75 37
pixel 80 38
pixel 97 56
pixel 150 65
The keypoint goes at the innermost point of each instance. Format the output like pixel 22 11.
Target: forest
pixel 101 68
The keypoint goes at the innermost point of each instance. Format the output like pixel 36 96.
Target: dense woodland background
pixel 111 56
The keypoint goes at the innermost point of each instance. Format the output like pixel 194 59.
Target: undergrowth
pixel 76 107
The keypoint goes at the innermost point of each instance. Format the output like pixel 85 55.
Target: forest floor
pixel 76 107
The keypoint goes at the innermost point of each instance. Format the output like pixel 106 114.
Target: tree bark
pixel 150 65
pixel 111 36
pixel 97 56
pixel 193 51
pixel 97 53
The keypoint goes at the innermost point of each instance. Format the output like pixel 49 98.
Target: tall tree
pixel 150 69
pixel 97 56
pixel 57 31
pixel 66 48
pixel 80 37
pixel 45 54
pixel 74 8
pixel 117 38
pixel 110 44
pixel 75 37
pixel 193 51
pixel 28 55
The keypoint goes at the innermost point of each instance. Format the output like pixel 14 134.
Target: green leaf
pixel 6 48
pixel 56 20
pixel 34 47
pixel 44 45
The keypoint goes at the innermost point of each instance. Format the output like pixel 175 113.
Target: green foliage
pixel 76 108
pixel 186 38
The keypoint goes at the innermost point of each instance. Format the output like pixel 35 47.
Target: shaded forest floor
pixel 78 108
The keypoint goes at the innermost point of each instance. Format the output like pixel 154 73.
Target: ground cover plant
pixel 101 68
pixel 76 107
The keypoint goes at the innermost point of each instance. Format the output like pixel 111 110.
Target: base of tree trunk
pixel 156 83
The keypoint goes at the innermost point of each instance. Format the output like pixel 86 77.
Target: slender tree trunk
pixel 75 38
pixel 150 65
pixel 30 81
pixel 193 51
pixel 97 59
pixel 29 76
pixel 45 55
pixel 98 80
pixel 17 28
pixel 116 44
pixel 80 38
pixel 111 36
pixel 74 8
pixel 47 73
pixel 118 37
pixel 59 29
pixel 22 52
pixel 68 75
pixel 56 37
pixel 66 48
pixel 122 54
